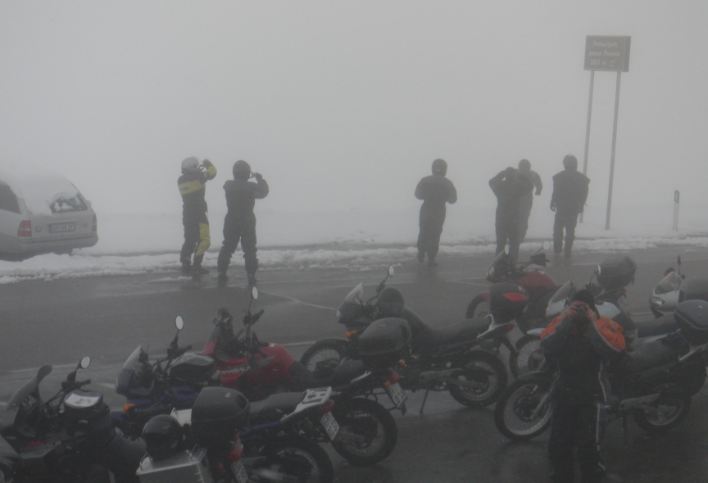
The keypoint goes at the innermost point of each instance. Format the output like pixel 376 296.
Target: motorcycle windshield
pixel 28 389
pixel 128 375
pixel 133 360
pixel 559 299
pixel 356 294
pixel 670 283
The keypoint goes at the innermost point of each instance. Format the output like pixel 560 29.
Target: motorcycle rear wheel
pixel 324 353
pixel 513 414
pixel 294 459
pixel 668 412
pixel 488 388
pixel 478 307
pixel 367 431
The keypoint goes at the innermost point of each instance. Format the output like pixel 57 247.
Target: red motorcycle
pixel 539 286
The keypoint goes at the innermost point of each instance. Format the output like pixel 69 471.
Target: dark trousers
pixel 196 239
pixel 508 232
pixel 429 238
pixel 576 426
pixel 564 222
pixel 235 231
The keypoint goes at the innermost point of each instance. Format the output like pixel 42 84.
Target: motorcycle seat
pixel 659 326
pixel 465 331
pixel 274 407
pixel 650 353
pixel 347 370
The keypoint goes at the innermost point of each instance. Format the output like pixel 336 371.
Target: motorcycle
pixel 653 383
pixel 450 359
pixel 224 439
pixel 241 361
pixel 67 438
pixel 674 288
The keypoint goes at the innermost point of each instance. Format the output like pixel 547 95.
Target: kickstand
pixel 425 400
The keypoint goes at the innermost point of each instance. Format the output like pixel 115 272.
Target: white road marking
pixel 302 302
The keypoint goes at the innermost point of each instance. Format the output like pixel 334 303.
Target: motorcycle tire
pixel 367 420
pixel 681 404
pixel 296 457
pixel 473 398
pixel 519 365
pixel 519 401
pixel 476 308
pixel 327 351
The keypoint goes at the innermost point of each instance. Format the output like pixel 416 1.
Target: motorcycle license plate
pixel 240 471
pixel 397 394
pixel 330 424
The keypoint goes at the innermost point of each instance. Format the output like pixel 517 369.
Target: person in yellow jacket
pixel 192 188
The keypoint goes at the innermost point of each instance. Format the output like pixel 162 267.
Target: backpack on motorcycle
pixel 85 412
pixel 192 368
pixel 692 319
pixel 507 301
pixel 217 414
pixel 694 289
pixel 384 341
pixel 616 272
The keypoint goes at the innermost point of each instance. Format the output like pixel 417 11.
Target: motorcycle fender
pixel 476 371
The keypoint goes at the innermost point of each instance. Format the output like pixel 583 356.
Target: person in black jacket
pixel 580 395
pixel 240 220
pixel 435 191
pixel 527 198
pixel 192 188
pixel 570 192
pixel 510 187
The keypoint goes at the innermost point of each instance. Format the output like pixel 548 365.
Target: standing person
pixel 435 191
pixel 527 199
pixel 192 188
pixel 570 192
pixel 240 221
pixel 582 345
pixel 509 187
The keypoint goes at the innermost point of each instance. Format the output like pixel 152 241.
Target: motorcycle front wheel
pixel 667 412
pixel 524 410
pixel 324 355
pixel 294 459
pixel 528 356
pixel 367 431
pixel 482 380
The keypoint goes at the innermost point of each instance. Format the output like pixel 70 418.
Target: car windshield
pixel 50 194
pixel 356 294
pixel 670 283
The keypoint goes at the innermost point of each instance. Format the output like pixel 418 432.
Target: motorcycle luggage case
pixel 184 467
pixel 192 368
pixel 216 415
pixel 694 289
pixel 384 339
pixel 616 272
pixel 692 319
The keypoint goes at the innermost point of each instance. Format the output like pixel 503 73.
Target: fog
pixel 343 105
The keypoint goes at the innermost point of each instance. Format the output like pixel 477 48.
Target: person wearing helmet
pixel 527 199
pixel 163 437
pixel 510 187
pixel 570 192
pixel 435 191
pixel 240 221
pixel 192 188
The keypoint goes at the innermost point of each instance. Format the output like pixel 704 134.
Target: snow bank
pixel 348 256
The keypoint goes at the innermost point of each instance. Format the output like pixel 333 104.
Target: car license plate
pixel 330 424
pixel 62 227
pixel 397 394
pixel 239 471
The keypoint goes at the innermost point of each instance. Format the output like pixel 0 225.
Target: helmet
pixel 440 167
pixel 570 162
pixel 525 165
pixel 163 436
pixel 242 170
pixel 390 302
pixel 190 165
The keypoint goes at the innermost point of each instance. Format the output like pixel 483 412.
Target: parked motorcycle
pixel 450 359
pixel 653 383
pixel 65 439
pixel 225 439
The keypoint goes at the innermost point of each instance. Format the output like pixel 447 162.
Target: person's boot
pixel 421 257
pixel 252 280
pixel 197 269
pixel 222 279
pixel 186 268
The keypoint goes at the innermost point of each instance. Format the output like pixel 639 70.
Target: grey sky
pixel 346 104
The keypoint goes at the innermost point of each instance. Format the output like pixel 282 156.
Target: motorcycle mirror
pixel 254 293
pixel 179 323
pixel 391 271
pixel 85 362
pixel 678 260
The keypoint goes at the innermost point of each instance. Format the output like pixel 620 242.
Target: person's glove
pixel 206 163
pixel 258 176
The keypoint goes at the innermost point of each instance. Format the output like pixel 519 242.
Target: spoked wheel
pixel 667 412
pixel 367 431
pixel 528 356
pixel 294 460
pixel 478 307
pixel 481 381
pixel 524 410
pixel 324 355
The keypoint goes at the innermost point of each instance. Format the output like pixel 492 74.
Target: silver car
pixel 41 214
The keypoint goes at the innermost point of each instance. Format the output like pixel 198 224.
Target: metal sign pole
pixel 677 200
pixel 587 129
pixel 612 158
